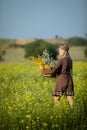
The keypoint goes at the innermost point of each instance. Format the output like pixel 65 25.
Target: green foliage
pixel 36 48
pixel 77 41
pixel 85 51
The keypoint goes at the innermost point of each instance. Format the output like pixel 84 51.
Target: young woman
pixel 63 68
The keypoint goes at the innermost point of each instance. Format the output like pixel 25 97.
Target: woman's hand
pixel 44 73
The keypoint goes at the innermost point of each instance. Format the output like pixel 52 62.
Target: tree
pixel 36 48
pixel 77 41
pixel 85 51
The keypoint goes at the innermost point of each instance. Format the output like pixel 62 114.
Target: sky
pixel 43 18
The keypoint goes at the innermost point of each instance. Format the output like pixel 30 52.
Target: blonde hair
pixel 65 47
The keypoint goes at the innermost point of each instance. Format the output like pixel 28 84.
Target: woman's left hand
pixel 43 73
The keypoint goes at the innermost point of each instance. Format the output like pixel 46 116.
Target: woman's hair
pixel 65 47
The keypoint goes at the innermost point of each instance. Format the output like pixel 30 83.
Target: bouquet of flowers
pixel 45 61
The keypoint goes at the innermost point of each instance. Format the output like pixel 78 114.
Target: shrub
pixel 36 48
pixel 85 51
pixel 77 41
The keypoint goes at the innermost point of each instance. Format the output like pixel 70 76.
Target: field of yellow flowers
pixel 26 101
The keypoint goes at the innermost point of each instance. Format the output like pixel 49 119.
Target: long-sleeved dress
pixel 64 82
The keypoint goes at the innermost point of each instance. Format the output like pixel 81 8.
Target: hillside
pixel 14 55
pixel 77 53
pixel 17 54
pixel 53 40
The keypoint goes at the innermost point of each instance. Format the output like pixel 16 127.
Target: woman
pixel 64 83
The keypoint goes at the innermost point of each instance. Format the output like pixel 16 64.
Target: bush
pixel 85 51
pixel 36 48
pixel 77 41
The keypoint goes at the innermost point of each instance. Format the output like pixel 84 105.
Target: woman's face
pixel 61 52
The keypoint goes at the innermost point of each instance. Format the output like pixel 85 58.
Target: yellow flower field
pixel 26 101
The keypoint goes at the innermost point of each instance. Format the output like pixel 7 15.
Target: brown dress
pixel 64 83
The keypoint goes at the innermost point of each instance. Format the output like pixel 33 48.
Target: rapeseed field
pixel 26 101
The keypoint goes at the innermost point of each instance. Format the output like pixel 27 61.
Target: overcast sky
pixel 43 18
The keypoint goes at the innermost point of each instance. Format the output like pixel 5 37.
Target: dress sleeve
pixel 53 71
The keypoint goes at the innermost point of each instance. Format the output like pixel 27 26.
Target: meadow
pixel 26 101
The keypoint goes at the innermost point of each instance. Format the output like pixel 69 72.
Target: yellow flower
pixel 21 121
pixel 28 116
pixel 47 67
pixel 40 62
pixel 27 127
pixel 45 124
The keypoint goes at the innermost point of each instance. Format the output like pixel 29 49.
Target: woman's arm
pixel 53 71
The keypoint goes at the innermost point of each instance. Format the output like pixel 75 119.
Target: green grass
pixel 26 101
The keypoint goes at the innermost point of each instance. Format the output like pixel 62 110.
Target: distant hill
pixel 23 41
pixel 5 43
pixel 17 53
pixel 14 55
pixel 53 41
pixel 56 40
